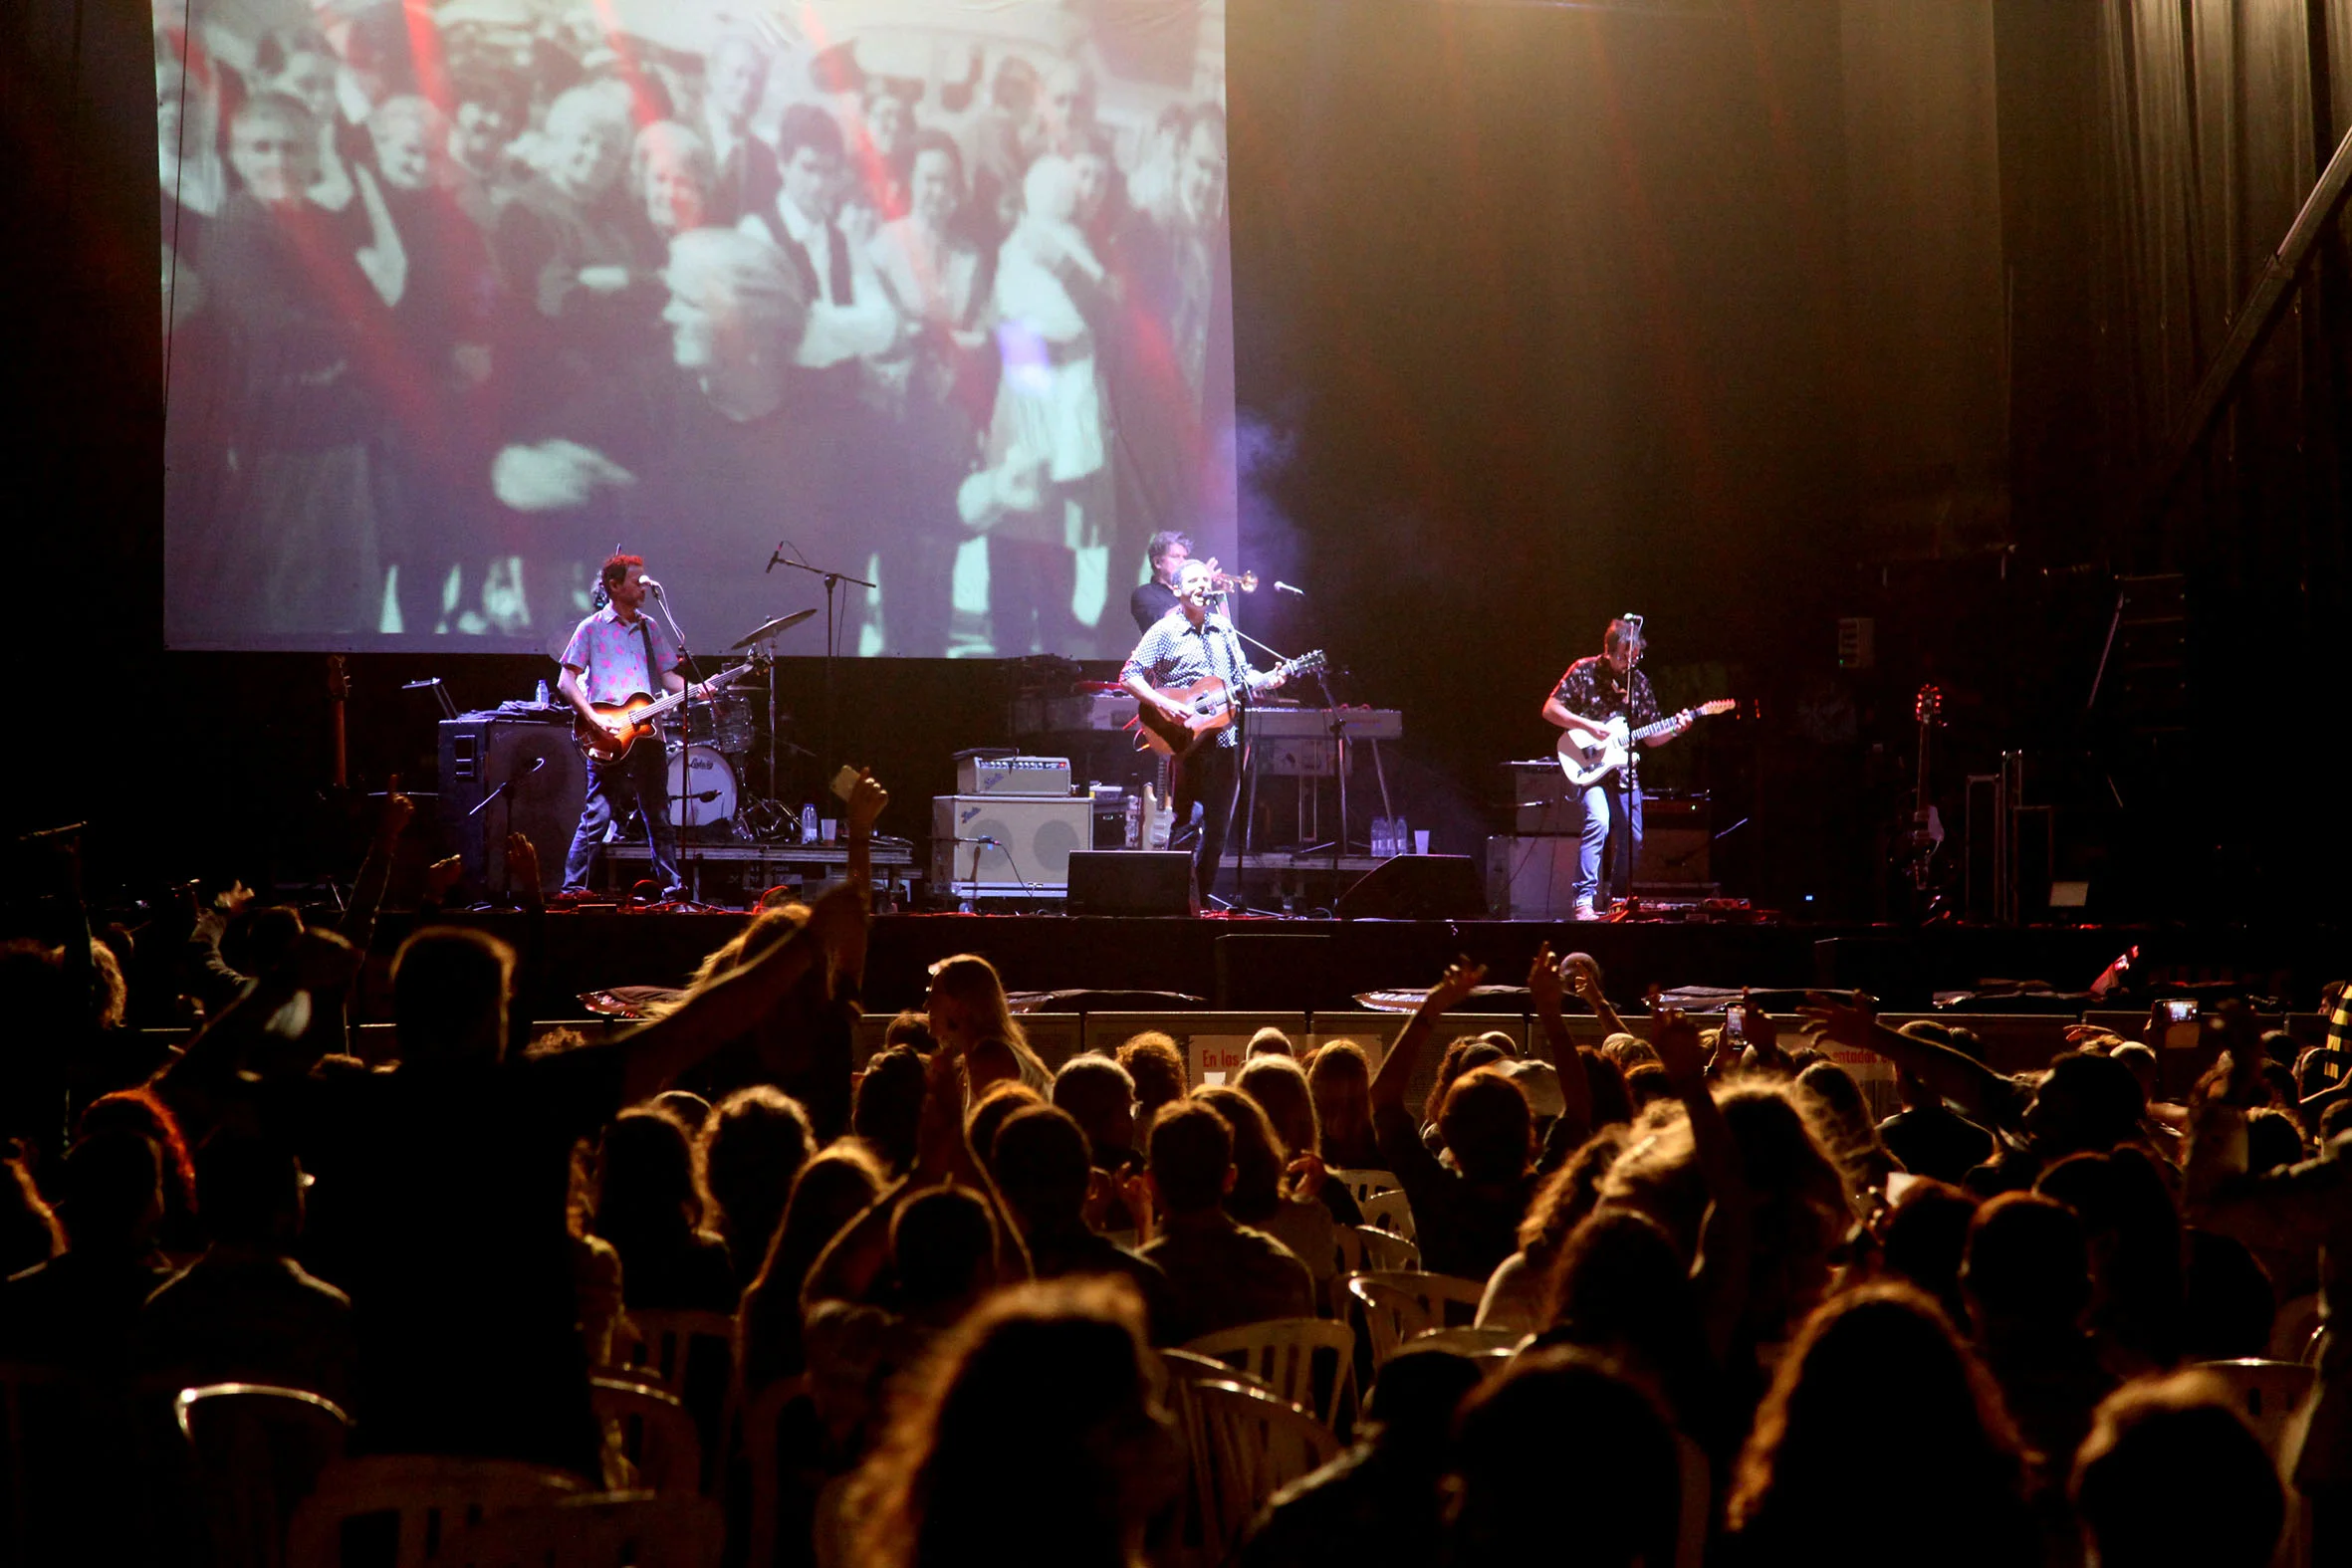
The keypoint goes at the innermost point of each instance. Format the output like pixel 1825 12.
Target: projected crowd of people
pixel 452 311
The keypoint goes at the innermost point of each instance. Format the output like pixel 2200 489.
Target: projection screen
pixel 462 298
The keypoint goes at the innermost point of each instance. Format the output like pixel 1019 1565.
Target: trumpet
pixel 1232 581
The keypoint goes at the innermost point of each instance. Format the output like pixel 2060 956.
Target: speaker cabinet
pixel 1416 887
pixel 1130 882
pixel 546 783
pixel 1532 878
pixel 1000 845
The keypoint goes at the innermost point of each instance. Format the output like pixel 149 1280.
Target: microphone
pixel 651 586
pixel 1281 586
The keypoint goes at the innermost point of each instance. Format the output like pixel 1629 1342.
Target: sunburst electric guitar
pixel 1589 755
pixel 621 725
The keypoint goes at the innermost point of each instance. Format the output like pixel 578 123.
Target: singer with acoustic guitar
pixel 1189 644
pixel 614 656
pixel 1603 702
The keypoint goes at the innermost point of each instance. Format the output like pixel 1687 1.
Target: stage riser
pixel 1053 953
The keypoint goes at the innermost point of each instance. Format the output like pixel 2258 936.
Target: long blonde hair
pixel 973 981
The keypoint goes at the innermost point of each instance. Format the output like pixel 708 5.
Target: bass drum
pixel 702 785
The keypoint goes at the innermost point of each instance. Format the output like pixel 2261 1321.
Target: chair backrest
pixel 420 1498
pixel 613 1531
pixel 1245 1445
pixel 762 1413
pixel 1398 1306
pixel 1282 1352
pixel 2267 1393
pixel 1391 1211
pixel 1189 1366
pixel 255 1452
pixel 1490 1346
pixel 1362 1184
pixel 656 1434
pixel 2295 1333
pixel 1364 1249
pixel 669 1337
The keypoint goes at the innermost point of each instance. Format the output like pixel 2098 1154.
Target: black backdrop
pixel 1542 313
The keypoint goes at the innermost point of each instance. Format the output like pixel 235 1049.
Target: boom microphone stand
pixel 832 580
pixel 689 853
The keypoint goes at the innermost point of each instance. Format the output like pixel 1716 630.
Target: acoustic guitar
pixel 1209 708
pixel 621 725
pixel 1589 755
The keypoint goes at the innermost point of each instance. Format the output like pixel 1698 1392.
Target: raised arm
pixel 375 871
pixel 1583 973
pixel 1720 1268
pixel 867 798
pixel 723 1011
pixel 1575 1089
pixel 1954 1075
pixel 1396 1068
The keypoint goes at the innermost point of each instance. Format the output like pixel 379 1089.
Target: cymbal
pixel 781 624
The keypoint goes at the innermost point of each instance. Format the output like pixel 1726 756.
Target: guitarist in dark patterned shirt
pixel 1188 642
pixel 1609 686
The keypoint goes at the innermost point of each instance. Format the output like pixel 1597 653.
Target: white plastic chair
pixel 2295 1333
pixel 2268 1394
pixel 431 1495
pixel 612 1530
pixel 669 1336
pixel 656 1434
pixel 1489 1346
pixel 1391 1211
pixel 1245 1445
pixel 1281 1352
pixel 1362 1183
pixel 1377 1252
pixel 1399 1306
pixel 255 1452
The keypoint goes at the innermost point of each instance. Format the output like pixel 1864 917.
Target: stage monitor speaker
pixel 546 781
pixel 1416 887
pixel 1130 882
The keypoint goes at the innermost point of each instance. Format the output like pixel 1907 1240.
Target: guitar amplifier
pixel 1537 797
pixel 546 783
pixel 1000 775
pixel 1007 845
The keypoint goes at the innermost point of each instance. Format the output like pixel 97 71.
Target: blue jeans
pixel 1608 805
pixel 641 777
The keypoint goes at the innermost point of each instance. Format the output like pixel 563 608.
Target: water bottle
pixel 1401 834
pixel 543 694
pixel 809 823
pixel 1383 841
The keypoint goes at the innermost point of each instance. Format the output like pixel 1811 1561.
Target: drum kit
pixel 710 759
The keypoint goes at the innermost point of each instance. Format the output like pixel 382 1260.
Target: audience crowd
pixel 1736 1319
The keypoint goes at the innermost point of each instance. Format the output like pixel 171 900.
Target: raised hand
pixel 1834 1021
pixel 442 875
pixel 522 865
pixel 1544 985
pixel 1680 1050
pixel 1307 1174
pixel 1757 1025
pixel 1584 976
pixel 1460 978
pixel 399 810
pixel 866 800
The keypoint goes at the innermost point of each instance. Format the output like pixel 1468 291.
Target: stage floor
pixel 1260 960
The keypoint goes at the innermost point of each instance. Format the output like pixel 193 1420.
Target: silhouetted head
pixel 2170 1475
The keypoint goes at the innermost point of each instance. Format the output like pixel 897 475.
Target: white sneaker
pixel 1584 910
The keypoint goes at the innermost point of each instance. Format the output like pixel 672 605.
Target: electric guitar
pixel 621 725
pixel 1209 706
pixel 1589 755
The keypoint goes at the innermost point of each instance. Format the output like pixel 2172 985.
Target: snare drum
pixel 697 771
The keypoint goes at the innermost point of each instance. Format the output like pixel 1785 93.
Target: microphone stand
pixel 832 580
pixel 689 855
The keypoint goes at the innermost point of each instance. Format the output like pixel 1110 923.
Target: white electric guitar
pixel 1589 755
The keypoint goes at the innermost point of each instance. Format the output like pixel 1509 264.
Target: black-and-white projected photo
pixel 462 296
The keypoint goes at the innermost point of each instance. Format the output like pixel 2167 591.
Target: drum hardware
pixel 765 818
